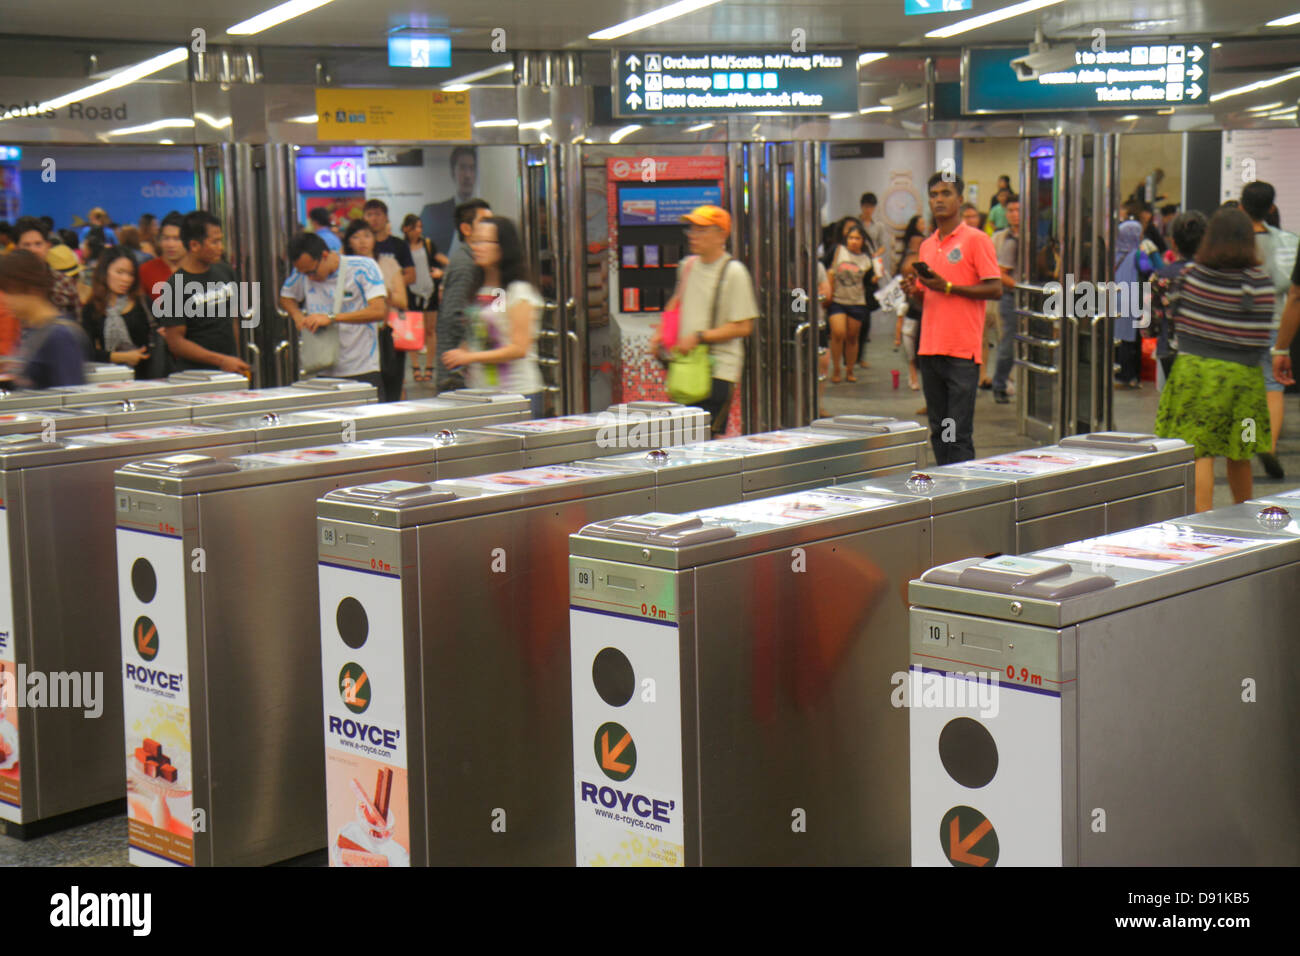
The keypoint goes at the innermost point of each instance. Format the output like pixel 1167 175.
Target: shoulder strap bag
pixel 319 350
pixel 690 376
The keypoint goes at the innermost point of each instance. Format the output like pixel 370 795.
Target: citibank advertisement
pixel 332 173
pixel 126 194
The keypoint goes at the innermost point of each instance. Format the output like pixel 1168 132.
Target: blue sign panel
pixel 1147 76
pixel 10 154
pixel 913 7
pixel 662 205
pixel 706 83
pixel 328 174
pixel 419 51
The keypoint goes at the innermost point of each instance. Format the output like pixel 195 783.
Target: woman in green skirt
pixel 1214 399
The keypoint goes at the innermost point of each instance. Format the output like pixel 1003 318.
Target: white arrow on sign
pixel 633 100
pixel 1196 54
pixel 1194 91
pixel 1195 72
pixel 634 81
pixel 633 61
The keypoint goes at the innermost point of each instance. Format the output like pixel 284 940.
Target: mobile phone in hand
pixel 923 269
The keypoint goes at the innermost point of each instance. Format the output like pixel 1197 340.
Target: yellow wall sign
pixel 414 115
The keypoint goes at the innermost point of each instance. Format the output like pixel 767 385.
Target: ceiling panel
pixel 556 24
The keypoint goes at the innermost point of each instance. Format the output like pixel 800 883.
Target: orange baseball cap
pixel 710 216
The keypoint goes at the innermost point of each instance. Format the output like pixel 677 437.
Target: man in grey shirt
pixel 1007 243
pixel 459 286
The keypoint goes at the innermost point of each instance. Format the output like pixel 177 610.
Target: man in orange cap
pixel 716 297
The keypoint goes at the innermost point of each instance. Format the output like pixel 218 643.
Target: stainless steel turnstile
pixel 766 632
pixel 647 424
pixel 1089 483
pixel 108 372
pixel 252 761
pixel 743 607
pixel 789 460
pixel 1125 700
pixel 178 383
pixel 197 380
pixel 56 421
pixel 476 569
pixel 58 583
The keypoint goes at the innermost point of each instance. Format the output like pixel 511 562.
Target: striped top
pixel 1223 313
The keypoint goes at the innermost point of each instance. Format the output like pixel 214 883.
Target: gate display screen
pixel 700 83
pixel 1147 76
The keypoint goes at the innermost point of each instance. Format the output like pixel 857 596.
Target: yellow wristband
pixel 948 290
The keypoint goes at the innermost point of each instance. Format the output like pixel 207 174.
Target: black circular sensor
pixel 611 672
pixel 968 752
pixel 353 625
pixel 144 580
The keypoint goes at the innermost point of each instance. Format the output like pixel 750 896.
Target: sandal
pixel 835 379
pixel 850 377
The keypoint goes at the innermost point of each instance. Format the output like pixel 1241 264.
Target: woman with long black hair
pixel 503 322
pixel 114 318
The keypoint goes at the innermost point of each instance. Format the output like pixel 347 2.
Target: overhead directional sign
pixel 913 7
pixel 698 83
pixel 1149 76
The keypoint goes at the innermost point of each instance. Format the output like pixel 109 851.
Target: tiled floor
pixel 103 843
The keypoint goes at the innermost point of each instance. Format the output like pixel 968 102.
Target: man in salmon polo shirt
pixel 965 276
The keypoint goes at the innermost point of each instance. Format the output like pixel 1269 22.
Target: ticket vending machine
pixel 1100 703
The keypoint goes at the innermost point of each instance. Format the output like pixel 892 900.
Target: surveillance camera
pixel 1046 60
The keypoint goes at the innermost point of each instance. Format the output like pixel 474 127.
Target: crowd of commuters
pixel 160 296
pixel 1225 309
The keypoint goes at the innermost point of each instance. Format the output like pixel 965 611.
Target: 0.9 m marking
pixel 1024 676
pixel 649 610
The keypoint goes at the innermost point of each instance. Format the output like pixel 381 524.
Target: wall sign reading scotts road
pixel 690 83
pixel 1149 76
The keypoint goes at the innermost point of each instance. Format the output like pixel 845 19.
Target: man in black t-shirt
pixel 199 310
pixel 392 363
pixel 386 244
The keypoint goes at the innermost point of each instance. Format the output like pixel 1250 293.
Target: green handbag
pixel 690 376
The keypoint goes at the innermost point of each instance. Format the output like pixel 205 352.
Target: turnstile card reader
pixel 108 372
pixel 1124 700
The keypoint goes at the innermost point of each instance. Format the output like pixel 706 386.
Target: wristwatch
pixel 1276 351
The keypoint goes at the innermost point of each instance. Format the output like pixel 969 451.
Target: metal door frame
pixel 1070 341
pixel 779 387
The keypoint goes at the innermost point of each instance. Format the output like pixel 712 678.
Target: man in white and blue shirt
pixel 309 296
